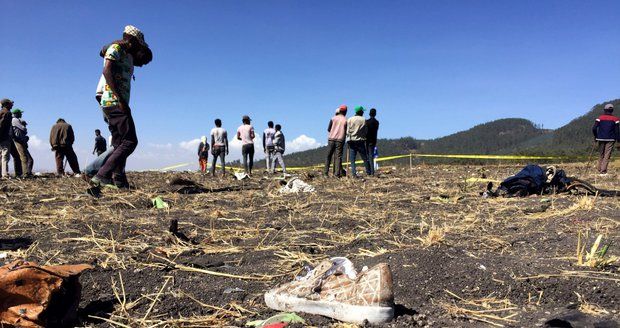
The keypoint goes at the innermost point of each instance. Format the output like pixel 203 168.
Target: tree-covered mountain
pixel 504 136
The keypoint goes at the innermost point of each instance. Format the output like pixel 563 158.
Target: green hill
pixel 504 136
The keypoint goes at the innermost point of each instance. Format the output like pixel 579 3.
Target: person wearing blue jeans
pixel 358 147
pixel 356 133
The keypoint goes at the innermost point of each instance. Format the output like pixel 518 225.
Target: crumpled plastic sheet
pixel 296 185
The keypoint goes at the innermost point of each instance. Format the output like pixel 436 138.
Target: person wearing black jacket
pixel 606 132
pixel 371 137
pixel 5 136
pixel 100 143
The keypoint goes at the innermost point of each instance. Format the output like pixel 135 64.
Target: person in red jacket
pixel 606 132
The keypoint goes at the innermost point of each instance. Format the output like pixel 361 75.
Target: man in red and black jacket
pixel 606 130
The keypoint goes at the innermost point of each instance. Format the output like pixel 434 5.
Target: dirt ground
pixel 458 260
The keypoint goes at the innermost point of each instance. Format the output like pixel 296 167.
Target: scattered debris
pixel 595 258
pixel 277 321
pixel 230 290
pixel 334 289
pixel 39 296
pixel 159 203
pixel 241 176
pixel 296 185
pixel 537 180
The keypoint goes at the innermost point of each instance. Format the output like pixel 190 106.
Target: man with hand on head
pixel 120 57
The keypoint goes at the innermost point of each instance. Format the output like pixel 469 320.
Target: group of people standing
pixel 14 141
pixel 274 145
pixel 360 135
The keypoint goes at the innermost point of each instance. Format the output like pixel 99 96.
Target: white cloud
pixel 35 142
pixel 191 145
pixel 160 146
pixel 301 143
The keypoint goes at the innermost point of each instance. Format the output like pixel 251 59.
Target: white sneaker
pixel 329 291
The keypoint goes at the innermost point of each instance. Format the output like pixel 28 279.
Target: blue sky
pixel 431 68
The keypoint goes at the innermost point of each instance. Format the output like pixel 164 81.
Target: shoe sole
pixel 337 310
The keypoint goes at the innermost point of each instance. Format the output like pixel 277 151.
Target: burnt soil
pixel 450 250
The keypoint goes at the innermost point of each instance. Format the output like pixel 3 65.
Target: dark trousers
pixel 124 140
pixel 61 153
pixel 218 151
pixel 356 147
pixel 26 159
pixel 248 157
pixel 370 150
pixel 605 148
pixel 335 148
pixel 17 161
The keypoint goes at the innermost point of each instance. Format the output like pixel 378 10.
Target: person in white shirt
pixel 245 133
pixel 219 146
pixel 268 147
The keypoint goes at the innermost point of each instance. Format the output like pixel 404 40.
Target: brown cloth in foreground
pixel 33 296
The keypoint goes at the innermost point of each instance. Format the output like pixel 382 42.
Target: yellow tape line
pixel 389 158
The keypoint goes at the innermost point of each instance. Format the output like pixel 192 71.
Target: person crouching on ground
pixel 279 145
pixel 356 131
pixel 606 132
pixel 219 146
pixel 117 72
pixel 61 140
pixel 245 133
pixel 203 154
pixel 336 130
pixel 20 142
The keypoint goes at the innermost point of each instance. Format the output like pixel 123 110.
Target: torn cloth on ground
pixel 296 185
pixel 33 296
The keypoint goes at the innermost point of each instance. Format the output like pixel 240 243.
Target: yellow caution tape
pixel 412 155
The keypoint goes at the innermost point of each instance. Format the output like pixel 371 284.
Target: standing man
pixel 606 132
pixel 268 147
pixel 203 154
pixel 219 146
pixel 279 145
pixel 100 144
pixel 61 140
pixel 245 133
pixel 117 72
pixel 356 131
pixel 336 130
pixel 371 138
pixel 5 136
pixel 20 142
